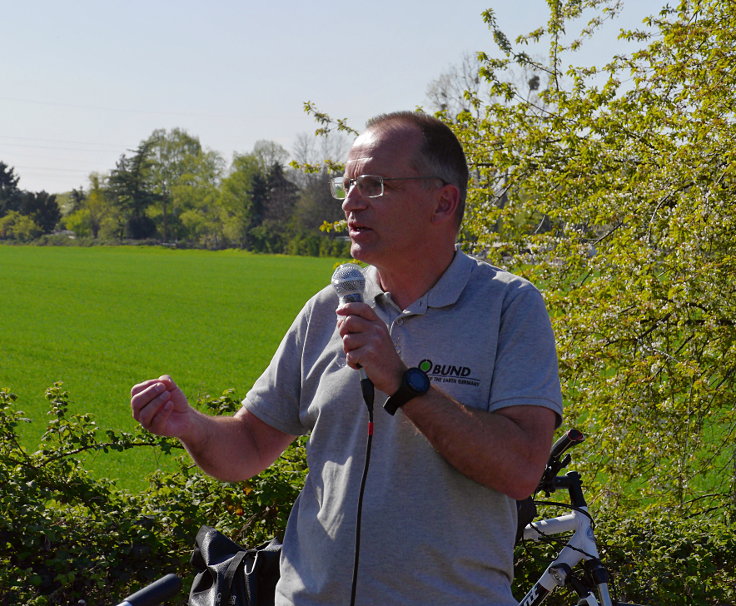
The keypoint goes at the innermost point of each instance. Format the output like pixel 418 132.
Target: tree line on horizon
pixel 171 190
pixel 24 215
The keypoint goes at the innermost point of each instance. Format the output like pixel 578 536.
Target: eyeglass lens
pixel 337 187
pixel 368 185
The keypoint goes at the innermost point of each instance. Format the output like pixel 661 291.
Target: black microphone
pixel 155 593
pixel 349 282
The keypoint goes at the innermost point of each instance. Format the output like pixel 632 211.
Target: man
pixel 453 454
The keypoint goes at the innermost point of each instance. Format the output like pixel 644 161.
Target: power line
pixel 111 109
pixel 34 169
pixel 57 147
pixel 65 142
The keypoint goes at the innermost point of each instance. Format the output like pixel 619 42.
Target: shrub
pixel 65 536
pixel 657 557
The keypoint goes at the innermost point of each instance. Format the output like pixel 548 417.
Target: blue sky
pixel 86 80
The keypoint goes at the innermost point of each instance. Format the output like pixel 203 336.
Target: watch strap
pixel 408 390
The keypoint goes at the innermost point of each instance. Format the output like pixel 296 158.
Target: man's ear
pixel 447 201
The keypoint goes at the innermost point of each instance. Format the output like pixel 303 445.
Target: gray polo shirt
pixel 430 535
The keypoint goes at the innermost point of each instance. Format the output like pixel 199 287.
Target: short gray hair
pixel 440 154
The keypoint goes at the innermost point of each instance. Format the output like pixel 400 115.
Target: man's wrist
pixel 414 383
pixel 195 437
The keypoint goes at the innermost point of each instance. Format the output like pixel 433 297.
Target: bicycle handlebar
pixel 555 463
pixel 155 593
pixel 571 438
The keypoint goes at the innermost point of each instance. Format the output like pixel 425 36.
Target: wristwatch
pixel 414 383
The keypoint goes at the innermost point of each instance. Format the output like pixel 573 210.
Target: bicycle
pixel 581 547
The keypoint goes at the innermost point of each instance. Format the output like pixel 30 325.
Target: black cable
pixel 368 392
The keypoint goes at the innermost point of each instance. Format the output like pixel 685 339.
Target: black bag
pixel 526 511
pixel 231 575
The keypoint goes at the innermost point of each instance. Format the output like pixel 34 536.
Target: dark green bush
pixel 654 557
pixel 66 536
pixel 669 557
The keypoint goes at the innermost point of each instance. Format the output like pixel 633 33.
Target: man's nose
pixel 354 200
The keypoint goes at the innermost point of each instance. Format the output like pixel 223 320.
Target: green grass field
pixel 102 319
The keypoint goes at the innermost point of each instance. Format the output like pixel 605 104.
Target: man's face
pixel 386 230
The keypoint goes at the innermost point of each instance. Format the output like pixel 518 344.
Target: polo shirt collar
pixel 445 292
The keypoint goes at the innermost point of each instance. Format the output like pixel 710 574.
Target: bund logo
pixel 449 373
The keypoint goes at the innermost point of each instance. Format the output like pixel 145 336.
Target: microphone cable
pixel 349 282
pixel 368 393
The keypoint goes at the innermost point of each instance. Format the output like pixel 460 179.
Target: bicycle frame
pixel 581 547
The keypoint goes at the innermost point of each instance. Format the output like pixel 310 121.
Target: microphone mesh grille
pixel 348 279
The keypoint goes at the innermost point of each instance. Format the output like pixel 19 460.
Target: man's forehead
pixel 390 145
pixel 363 146
pixel 363 150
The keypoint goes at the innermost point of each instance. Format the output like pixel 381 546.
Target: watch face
pixel 417 380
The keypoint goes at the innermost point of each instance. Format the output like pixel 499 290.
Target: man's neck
pixel 407 282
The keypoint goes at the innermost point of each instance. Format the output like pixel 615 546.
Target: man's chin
pixel 360 253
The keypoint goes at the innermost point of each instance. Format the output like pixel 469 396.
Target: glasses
pixel 369 186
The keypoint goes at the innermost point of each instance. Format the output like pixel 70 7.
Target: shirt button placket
pixel 395 336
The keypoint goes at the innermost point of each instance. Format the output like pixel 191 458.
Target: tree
pixel 318 156
pixel 268 153
pixel 195 197
pixel 150 185
pixel 42 208
pixel 447 92
pixel 316 153
pixel 97 203
pixel 91 212
pixel 619 194
pixel 129 188
pixel 238 215
pixel 282 194
pixel 72 201
pixel 274 197
pixel 9 192
pixel 172 156
pixel 15 226
pixel 258 203
pixel 316 205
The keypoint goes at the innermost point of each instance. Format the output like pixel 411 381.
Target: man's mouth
pixel 356 228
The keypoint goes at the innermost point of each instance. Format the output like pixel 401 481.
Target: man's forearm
pixel 504 450
pixel 233 449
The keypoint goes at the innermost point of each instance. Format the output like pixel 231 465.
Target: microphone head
pixel 348 281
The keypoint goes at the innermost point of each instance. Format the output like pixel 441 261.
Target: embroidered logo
pixel 449 373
